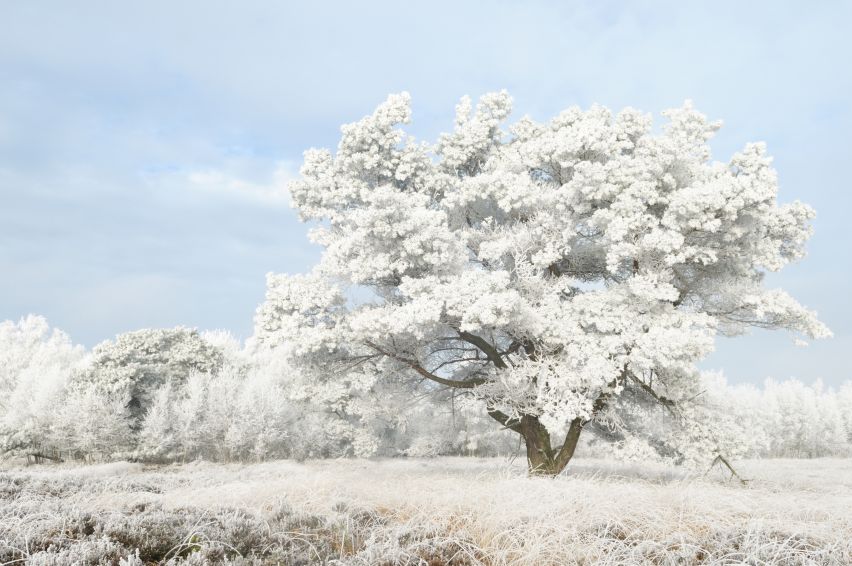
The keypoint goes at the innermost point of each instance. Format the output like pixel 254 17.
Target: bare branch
pixel 666 402
pixel 458 361
pixel 413 364
pixel 486 347
pixel 506 420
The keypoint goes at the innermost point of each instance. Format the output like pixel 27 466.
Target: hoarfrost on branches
pixel 544 268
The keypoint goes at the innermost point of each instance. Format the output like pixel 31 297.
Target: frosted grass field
pixel 442 511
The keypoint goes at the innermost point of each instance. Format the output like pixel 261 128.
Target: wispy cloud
pixel 226 182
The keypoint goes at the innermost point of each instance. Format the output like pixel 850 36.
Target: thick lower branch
pixel 566 452
pixel 489 350
pixel 413 364
pixel 653 394
pixel 505 420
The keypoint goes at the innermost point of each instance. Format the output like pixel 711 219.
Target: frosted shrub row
pixel 177 395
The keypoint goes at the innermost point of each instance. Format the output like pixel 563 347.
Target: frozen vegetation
pixel 537 290
pixel 415 511
pixel 522 282
pixel 175 395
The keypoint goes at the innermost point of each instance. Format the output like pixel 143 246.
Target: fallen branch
pixel 721 460
pixel 38 456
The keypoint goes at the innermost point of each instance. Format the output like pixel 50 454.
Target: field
pixel 442 511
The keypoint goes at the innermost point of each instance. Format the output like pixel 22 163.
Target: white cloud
pixel 273 191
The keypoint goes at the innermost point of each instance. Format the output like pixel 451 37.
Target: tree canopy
pixel 544 268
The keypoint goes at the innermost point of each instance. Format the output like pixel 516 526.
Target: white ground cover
pixel 441 511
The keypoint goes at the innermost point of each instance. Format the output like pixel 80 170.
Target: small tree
pixel 545 268
pixel 36 363
pixel 158 437
pixel 94 423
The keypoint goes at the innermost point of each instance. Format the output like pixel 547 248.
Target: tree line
pixel 164 395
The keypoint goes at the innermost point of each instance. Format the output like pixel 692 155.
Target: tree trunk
pixel 542 459
pixel 539 451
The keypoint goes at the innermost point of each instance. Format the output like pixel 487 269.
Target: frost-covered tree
pixel 844 401
pixel 139 363
pixel 545 268
pixel 802 421
pixel 36 362
pixel 450 424
pixel 158 436
pixel 245 410
pixel 349 417
pixel 717 420
pixel 94 423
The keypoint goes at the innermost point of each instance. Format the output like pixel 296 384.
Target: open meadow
pixel 550 283
pixel 433 512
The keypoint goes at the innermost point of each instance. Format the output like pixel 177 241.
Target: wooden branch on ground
pixel 39 456
pixel 722 461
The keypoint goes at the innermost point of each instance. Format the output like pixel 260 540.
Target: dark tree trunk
pixel 542 458
pixel 539 451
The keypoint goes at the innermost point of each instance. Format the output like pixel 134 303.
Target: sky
pixel 145 147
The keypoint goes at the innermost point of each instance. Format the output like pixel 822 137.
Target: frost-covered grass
pixel 443 511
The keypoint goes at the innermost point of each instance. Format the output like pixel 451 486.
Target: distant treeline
pixel 177 394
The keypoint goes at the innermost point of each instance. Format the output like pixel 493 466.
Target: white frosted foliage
pixel 543 267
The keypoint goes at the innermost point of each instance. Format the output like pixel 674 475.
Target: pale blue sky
pixel 144 146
